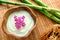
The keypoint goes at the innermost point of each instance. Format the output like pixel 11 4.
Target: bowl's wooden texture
pixel 43 26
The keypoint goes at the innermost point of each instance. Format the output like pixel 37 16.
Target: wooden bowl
pixel 8 12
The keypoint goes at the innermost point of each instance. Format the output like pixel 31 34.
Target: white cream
pixel 11 23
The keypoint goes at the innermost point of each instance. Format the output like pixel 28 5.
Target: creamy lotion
pixel 28 21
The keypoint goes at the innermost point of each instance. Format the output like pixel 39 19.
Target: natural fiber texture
pixel 55 35
pixel 43 27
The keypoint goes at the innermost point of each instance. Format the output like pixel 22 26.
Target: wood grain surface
pixel 43 27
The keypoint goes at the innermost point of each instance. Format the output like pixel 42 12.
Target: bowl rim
pixel 5 29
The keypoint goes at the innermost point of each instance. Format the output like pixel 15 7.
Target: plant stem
pixel 40 3
pixel 35 7
pixel 18 3
pixel 57 14
pixel 26 1
pixel 42 11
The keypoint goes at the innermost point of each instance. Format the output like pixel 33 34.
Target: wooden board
pixel 44 23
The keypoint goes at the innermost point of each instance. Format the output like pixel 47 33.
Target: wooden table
pixel 44 23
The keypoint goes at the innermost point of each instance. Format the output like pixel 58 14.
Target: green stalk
pixel 57 14
pixel 26 1
pixel 48 9
pixel 40 3
pixel 35 7
pixel 42 11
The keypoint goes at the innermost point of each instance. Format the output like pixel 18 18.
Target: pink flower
pixel 23 24
pixel 18 26
pixel 23 17
pixel 19 22
pixel 15 18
